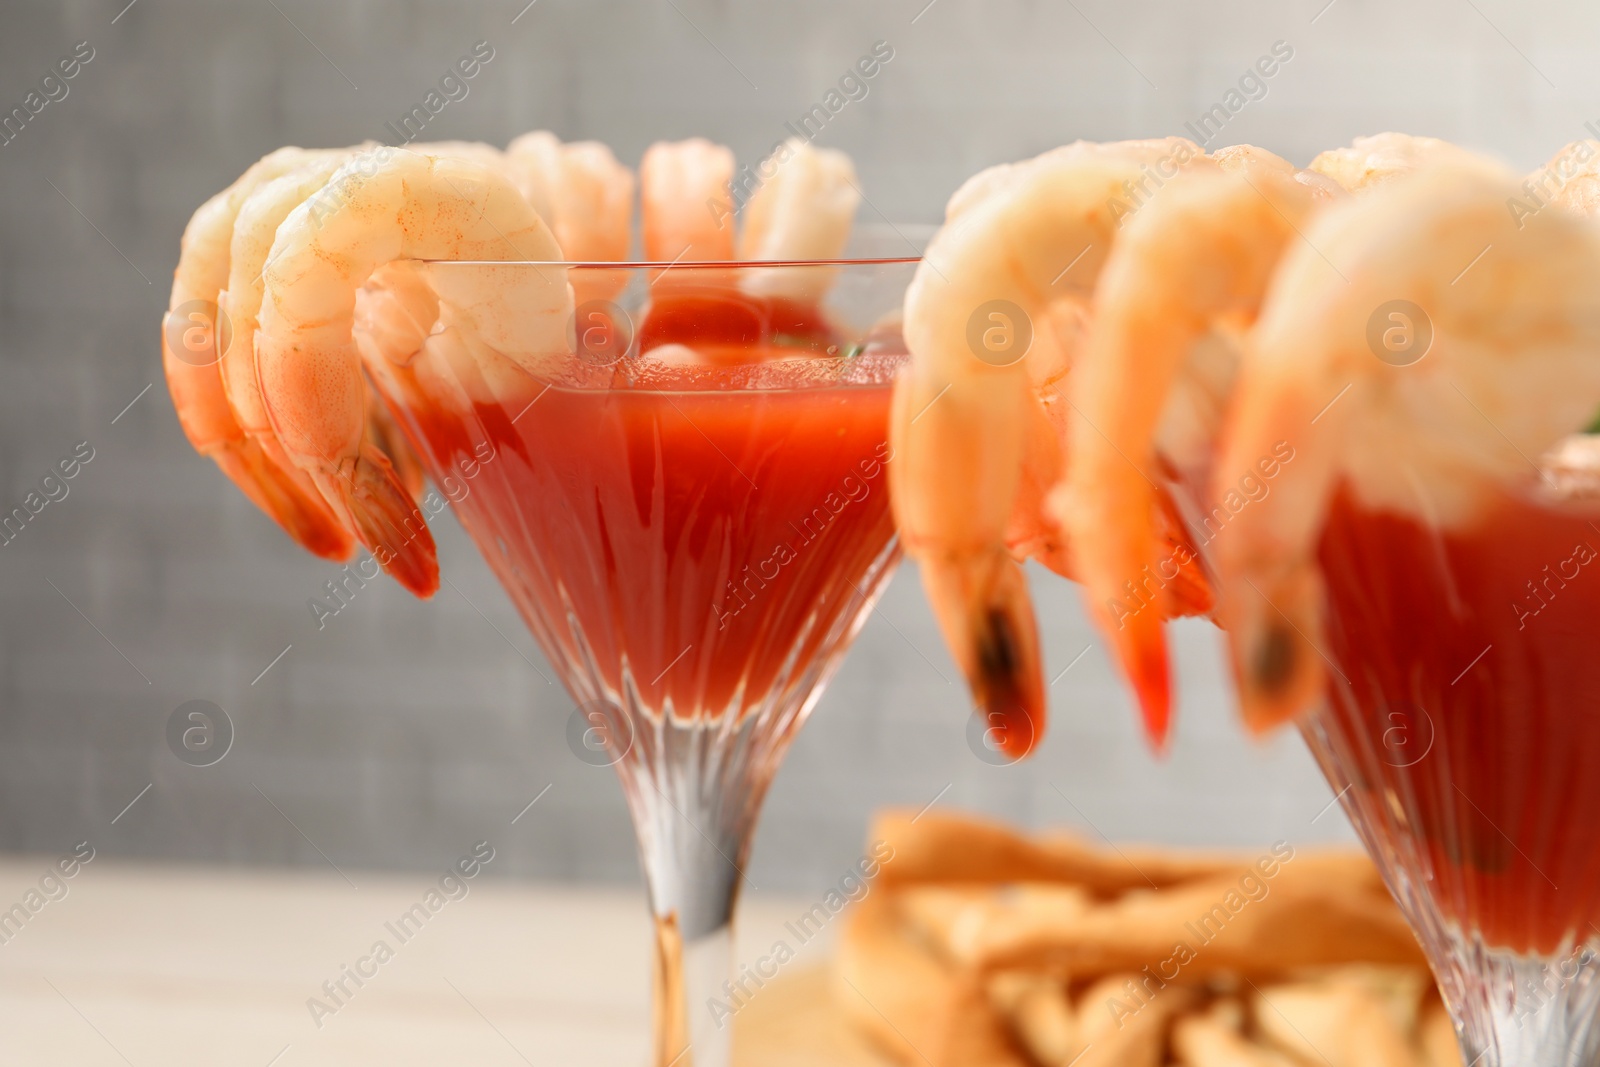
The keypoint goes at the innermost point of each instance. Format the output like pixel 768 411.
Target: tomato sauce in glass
pixel 691 543
pixel 1469 710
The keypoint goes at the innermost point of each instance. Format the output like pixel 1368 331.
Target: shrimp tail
pixel 1277 668
pixel 387 521
pixel 284 498
pixel 285 495
pixel 1129 593
pixel 1270 588
pixel 1136 567
pixel 984 609
pixel 1141 647
pixel 383 428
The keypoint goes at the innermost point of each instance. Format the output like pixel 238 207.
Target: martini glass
pixel 689 508
pixel 1460 730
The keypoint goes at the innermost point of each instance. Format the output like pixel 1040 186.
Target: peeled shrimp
pixel 977 423
pixel 580 190
pixel 1187 275
pixel 684 191
pixel 1181 288
pixel 586 197
pixel 195 379
pixel 254 229
pixel 479 152
pixel 803 210
pixel 1510 372
pixel 804 207
pixel 1385 157
pixel 1570 180
pixel 397 312
pixel 390 206
pixel 253 232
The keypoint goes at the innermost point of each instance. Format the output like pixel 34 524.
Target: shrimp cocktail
pixel 676 467
pixel 1420 583
pixel 1342 411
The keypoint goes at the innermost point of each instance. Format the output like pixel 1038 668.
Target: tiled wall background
pixel 403 730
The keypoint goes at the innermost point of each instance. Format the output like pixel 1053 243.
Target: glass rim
pixel 664 265
pixel 879 370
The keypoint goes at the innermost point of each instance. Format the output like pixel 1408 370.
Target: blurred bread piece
pixel 959 921
pixel 1316 910
pixel 913 1006
pixel 1041 1016
pixel 1401 990
pixel 1339 1023
pixel 978 945
pixel 1213 1039
pixel 948 847
pixel 1116 1039
pixel 1438 1035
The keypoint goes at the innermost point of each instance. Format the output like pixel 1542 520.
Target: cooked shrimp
pixel 684 190
pixel 535 160
pixel 254 231
pixel 803 210
pixel 195 379
pixel 394 205
pixel 1570 180
pixel 396 312
pixel 486 155
pixel 1384 157
pixel 1187 274
pixel 394 317
pixel 586 197
pixel 389 439
pixel 1181 287
pixel 580 190
pixel 976 423
pixel 1510 372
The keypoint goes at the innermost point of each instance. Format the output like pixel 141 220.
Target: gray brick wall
pixel 404 729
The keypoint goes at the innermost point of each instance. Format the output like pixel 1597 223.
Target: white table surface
pixel 172 966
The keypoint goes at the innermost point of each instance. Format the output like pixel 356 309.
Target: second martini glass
pixel 691 515
pixel 1459 730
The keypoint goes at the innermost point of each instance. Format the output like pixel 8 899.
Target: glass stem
pixel 694 792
